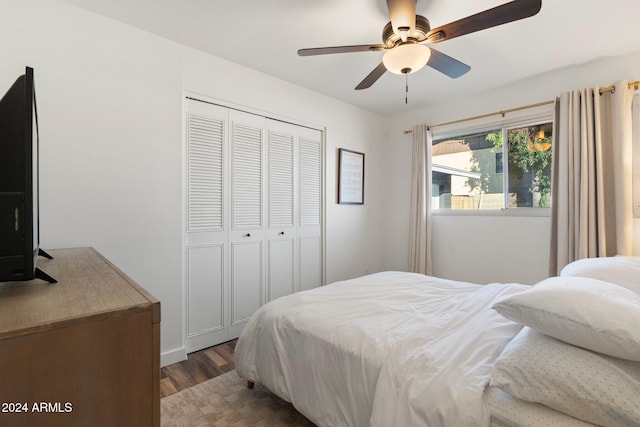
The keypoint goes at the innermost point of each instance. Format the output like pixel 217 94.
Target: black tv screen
pixel 19 183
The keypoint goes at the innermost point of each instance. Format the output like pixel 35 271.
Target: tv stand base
pixel 44 276
pixel 39 274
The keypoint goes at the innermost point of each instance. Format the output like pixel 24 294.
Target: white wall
pixel 110 111
pixel 486 248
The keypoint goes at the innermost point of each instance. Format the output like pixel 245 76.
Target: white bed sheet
pixel 386 349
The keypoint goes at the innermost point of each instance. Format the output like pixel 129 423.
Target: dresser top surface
pixel 88 286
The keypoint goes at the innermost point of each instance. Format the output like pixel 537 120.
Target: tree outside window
pixel 468 171
pixel 529 164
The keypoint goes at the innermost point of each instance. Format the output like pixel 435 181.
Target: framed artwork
pixel 350 177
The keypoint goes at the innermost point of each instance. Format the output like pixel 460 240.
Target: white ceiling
pixel 266 34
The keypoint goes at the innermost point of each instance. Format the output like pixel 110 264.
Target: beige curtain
pixel 592 208
pixel 420 231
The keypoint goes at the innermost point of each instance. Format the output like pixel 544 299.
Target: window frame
pixel 635 150
pixel 522 118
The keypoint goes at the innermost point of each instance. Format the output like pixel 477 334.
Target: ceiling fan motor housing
pixel 391 39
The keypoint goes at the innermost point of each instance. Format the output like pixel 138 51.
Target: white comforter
pixel 388 349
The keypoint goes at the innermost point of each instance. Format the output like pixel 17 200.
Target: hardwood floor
pixel 199 367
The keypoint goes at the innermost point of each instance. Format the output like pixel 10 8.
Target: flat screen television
pixel 19 183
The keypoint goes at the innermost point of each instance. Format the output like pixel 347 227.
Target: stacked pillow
pixel 580 350
pixel 621 270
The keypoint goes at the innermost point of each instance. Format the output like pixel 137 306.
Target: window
pixel 471 171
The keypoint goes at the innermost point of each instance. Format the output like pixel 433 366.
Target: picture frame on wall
pixel 350 177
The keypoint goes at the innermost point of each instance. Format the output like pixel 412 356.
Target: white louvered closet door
pixel 309 211
pixel 247 233
pixel 281 212
pixel 205 236
pixel 253 216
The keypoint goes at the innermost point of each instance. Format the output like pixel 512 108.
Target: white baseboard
pixel 173 356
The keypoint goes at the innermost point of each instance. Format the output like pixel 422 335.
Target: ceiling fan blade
pixel 508 12
pixel 446 64
pixel 403 16
pixel 372 77
pixel 341 49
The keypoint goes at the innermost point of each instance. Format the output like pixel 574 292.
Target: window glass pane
pixel 529 166
pixel 467 172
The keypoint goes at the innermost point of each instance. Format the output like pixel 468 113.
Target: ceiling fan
pixel 404 34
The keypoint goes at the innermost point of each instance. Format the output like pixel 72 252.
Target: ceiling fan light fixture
pixel 410 56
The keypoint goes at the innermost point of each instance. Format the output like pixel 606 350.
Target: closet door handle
pixel 247 235
pixel 281 233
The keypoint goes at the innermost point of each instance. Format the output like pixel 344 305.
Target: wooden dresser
pixel 82 352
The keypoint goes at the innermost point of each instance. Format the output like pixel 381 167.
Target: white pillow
pixel 589 386
pixel 507 410
pixel 621 270
pixel 589 313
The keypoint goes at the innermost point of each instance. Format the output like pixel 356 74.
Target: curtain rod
pixel 502 112
pixel 634 85
pixel 612 89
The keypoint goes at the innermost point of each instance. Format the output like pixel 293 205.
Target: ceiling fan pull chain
pixel 406 88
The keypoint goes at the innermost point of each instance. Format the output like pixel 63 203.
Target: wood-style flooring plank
pixel 195 371
pixel 204 364
pixel 179 376
pixel 225 351
pixel 200 366
pixel 215 357
pixel 166 387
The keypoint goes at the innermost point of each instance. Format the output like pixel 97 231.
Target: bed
pixel 405 349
